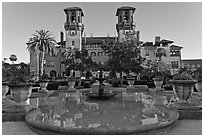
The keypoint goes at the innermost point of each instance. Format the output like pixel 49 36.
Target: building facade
pixel 74 32
pixel 172 60
pixel 192 64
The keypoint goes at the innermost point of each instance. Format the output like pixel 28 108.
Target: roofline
pixel 191 60
pixel 74 8
pixel 124 8
pixel 176 46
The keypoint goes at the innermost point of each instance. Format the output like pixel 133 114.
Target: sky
pixel 180 22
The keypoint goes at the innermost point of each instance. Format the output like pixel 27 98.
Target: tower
pixel 125 23
pixel 74 27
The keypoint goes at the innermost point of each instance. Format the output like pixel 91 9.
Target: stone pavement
pixel 183 127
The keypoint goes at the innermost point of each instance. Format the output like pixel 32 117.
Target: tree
pixel 42 42
pixel 77 60
pixel 13 58
pixel 16 73
pixel 124 56
pixel 4 60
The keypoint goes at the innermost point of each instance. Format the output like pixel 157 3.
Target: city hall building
pixel 74 37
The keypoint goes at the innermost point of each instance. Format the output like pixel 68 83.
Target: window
pixel 126 19
pixel 174 64
pixel 174 53
pixel 100 53
pixel 147 53
pixel 120 18
pixel 192 66
pixel 198 65
pixel 73 17
pixel 93 54
pixel 72 33
pixel 72 43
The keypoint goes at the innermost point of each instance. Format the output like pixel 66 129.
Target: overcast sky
pixel 180 22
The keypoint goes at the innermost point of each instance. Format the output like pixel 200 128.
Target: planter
pixel 130 82
pixel 130 87
pixel 20 92
pixel 158 83
pixel 87 83
pixel 183 89
pixel 43 85
pixel 71 83
pixel 198 86
pixel 5 90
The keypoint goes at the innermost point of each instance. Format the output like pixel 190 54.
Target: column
pixel 69 17
pixel 130 16
pixel 122 13
pixel 77 15
pixel 80 17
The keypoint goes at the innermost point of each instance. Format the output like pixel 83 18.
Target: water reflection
pixel 150 120
pixel 70 110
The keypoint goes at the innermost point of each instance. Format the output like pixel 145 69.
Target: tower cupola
pixel 74 27
pixel 125 21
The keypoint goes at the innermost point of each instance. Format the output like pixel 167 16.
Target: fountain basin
pixel 73 113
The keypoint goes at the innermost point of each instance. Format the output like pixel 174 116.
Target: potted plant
pixel 183 85
pixel 20 82
pixel 43 82
pixel 6 73
pixel 71 83
pixel 130 80
pixel 158 81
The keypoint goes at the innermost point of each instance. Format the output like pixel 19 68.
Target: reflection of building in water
pixel 149 121
pixel 69 123
pixel 78 120
pixel 56 123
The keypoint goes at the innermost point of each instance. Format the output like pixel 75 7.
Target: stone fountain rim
pixel 40 127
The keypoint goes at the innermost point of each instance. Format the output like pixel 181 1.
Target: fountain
pixel 73 113
pixel 101 93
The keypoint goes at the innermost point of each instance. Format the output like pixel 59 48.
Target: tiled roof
pixel 166 41
pixel 147 44
pixel 74 8
pixel 175 47
pixel 94 40
pixel 124 8
pixel 183 60
pixel 97 40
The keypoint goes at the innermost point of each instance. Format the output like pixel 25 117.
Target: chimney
pixel 91 35
pixel 84 38
pixel 157 39
pixel 62 38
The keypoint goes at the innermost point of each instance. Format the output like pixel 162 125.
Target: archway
pixel 93 54
pixel 53 73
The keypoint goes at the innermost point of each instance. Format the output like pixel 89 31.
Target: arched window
pixel 53 73
pixel 93 54
pixel 100 53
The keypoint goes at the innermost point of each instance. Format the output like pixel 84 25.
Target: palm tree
pixel 13 58
pixel 42 42
pixel 4 60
